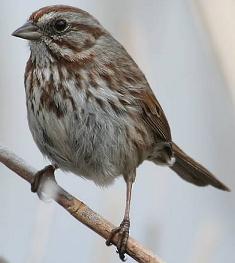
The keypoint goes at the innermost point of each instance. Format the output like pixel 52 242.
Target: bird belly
pixel 90 144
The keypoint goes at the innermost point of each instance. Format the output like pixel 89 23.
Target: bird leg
pixel 39 177
pixel 123 230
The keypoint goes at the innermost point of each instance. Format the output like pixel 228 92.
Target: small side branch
pixel 76 208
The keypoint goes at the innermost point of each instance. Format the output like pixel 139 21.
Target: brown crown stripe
pixel 55 8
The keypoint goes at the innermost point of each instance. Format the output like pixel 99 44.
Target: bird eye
pixel 60 25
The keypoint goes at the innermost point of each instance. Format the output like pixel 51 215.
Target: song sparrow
pixel 90 108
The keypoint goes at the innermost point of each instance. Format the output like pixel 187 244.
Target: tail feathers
pixel 192 171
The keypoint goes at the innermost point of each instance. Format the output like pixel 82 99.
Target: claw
pixel 123 235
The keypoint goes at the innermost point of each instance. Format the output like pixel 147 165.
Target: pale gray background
pixel 179 222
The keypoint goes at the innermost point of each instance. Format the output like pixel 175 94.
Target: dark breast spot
pixel 48 103
pixel 56 109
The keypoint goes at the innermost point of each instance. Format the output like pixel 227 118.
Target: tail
pixel 192 171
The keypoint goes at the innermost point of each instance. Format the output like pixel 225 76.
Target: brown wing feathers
pixel 154 116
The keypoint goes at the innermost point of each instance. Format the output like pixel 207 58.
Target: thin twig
pixel 76 208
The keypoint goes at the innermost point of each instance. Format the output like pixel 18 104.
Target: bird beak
pixel 27 31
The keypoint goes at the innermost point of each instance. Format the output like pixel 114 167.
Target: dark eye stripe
pixel 95 31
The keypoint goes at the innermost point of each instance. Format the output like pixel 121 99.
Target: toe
pixel 123 234
pixel 113 233
pixel 38 179
pixel 36 182
pixel 122 243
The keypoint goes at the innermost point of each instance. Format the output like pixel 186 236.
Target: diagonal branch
pixel 75 207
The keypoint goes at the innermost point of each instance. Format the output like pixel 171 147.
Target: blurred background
pixel 186 48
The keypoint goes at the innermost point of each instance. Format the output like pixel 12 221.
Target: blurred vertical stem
pixel 218 18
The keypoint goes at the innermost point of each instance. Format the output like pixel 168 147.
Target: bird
pixel 91 110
